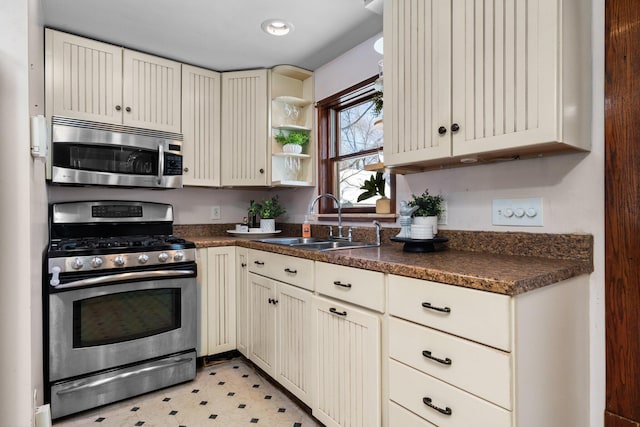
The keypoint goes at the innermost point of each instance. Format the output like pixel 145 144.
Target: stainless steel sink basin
pixel 314 244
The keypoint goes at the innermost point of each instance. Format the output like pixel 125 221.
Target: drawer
pixel 284 268
pixel 478 369
pixel 449 406
pixel 361 287
pixel 400 417
pixel 480 316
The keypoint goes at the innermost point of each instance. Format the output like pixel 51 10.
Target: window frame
pixel 328 135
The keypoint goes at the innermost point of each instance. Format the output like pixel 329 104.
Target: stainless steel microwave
pixel 90 153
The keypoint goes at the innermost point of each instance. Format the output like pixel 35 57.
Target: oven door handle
pixel 124 276
pixel 97 383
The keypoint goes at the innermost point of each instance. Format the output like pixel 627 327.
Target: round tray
pixel 253 235
pixel 419 245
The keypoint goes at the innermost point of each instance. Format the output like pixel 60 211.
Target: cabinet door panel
pixel 221 297
pixel 294 340
pixel 201 126
pixel 417 80
pixel 151 92
pixel 504 63
pixel 263 323
pixel 347 365
pixel 84 78
pixel 242 301
pixel 244 128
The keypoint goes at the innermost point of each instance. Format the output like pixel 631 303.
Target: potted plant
pixel 429 207
pixel 269 211
pixel 372 187
pixel 292 141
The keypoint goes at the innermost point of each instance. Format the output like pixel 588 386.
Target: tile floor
pixel 230 393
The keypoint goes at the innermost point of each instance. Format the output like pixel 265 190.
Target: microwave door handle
pixel 160 163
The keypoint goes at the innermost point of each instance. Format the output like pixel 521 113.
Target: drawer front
pixel 478 369
pixel 400 417
pixel 480 316
pixel 284 268
pixel 361 287
pixel 447 406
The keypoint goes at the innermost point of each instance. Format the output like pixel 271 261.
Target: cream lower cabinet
pixel 280 333
pixel 460 357
pixel 216 275
pixel 200 127
pixel 242 300
pixel 484 80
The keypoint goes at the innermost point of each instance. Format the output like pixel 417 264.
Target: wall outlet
pixel 518 212
pixel 443 218
pixel 215 212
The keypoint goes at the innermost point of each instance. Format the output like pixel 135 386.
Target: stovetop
pixel 69 245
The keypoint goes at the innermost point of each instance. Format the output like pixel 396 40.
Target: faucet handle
pixel 350 232
pixel 330 231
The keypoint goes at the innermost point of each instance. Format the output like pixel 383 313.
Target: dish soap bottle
pixel 306 228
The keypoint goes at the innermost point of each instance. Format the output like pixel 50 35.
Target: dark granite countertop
pixel 501 273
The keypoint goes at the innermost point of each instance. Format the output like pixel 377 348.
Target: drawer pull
pixel 243 265
pixel 344 285
pixel 428 355
pixel 258 262
pixel 427 401
pixel 339 313
pixel 273 301
pixel 288 270
pixel 431 307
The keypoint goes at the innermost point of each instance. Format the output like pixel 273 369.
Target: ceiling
pixel 221 34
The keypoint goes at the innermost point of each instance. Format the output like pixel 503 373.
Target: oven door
pixel 98 328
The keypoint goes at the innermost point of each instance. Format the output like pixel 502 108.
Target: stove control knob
pixel 96 262
pixel 163 257
pixel 178 256
pixel 77 264
pixel 142 259
pixel 118 261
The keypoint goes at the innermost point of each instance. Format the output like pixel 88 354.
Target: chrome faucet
pixel 337 202
pixel 378 229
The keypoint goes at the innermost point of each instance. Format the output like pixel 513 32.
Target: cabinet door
pixel 221 300
pixel 505 64
pixel 293 310
pixel 417 81
pixel 263 323
pixel 84 78
pixel 242 301
pixel 347 365
pixel 202 280
pixel 245 142
pixel 201 126
pixel 151 92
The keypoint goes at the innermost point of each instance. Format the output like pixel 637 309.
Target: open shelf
pixel 293 100
pixel 302 156
pixel 291 127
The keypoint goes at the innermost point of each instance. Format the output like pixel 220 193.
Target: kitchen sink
pixel 314 244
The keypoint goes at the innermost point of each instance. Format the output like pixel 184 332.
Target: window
pixel 349 141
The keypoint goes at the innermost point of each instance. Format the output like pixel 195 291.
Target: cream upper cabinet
pixel 467 81
pixel 100 82
pixel 201 126
pixel 245 114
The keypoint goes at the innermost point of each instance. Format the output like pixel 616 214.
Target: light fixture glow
pixel 378 46
pixel 277 27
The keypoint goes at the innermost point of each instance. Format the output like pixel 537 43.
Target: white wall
pixel 571 185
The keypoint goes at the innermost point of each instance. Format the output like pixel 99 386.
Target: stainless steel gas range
pixel 120 303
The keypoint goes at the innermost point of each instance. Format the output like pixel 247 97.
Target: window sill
pixel 359 217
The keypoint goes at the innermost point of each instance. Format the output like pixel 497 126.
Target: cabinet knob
pixel 118 108
pixel 442 130
pixel 128 109
pixel 261 170
pixel 455 127
pixel 186 170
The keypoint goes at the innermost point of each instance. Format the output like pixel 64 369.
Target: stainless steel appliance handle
pixel 124 276
pixel 97 383
pixel 160 163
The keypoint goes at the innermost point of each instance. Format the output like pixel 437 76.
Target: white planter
pixel 292 148
pixel 268 225
pixel 427 220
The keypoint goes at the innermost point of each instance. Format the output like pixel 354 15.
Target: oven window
pixel 125 316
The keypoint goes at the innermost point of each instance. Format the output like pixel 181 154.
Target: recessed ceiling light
pixel 277 27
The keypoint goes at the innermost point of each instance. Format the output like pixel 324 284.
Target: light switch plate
pixel 517 212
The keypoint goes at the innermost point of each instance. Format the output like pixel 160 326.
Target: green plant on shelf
pixel 295 137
